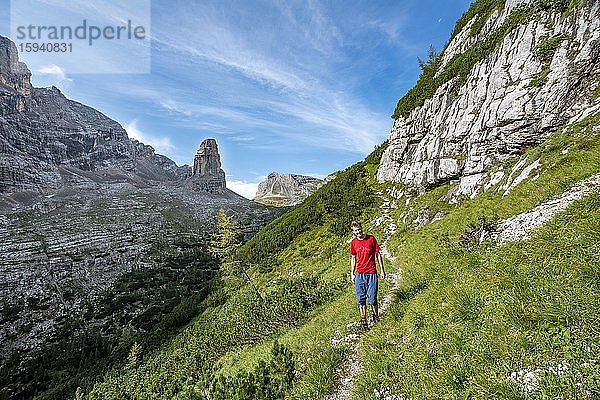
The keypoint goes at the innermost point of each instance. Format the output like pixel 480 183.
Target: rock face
pixel 14 75
pixel 207 174
pixel 286 189
pixel 542 74
pixel 48 141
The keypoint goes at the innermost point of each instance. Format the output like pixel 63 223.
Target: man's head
pixel 356 228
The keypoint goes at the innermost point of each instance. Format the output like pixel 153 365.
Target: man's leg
pixel 361 297
pixel 372 287
pixel 363 311
pixel 375 312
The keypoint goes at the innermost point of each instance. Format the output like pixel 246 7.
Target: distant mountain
pixel 98 233
pixel 286 189
pixel 48 141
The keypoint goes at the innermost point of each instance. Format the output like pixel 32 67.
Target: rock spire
pixel 207 174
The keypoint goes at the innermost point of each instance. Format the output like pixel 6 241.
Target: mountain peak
pixel 14 74
pixel 286 189
pixel 207 174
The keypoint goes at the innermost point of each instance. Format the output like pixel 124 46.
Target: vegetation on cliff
pixel 460 65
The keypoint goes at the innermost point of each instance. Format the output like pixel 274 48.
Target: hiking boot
pixel 374 318
pixel 363 323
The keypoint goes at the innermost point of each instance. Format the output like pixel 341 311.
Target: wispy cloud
pixel 246 189
pixel 296 91
pixel 52 75
pixel 53 69
pixel 161 144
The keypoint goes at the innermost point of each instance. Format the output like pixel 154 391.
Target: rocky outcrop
pixel 543 73
pixel 207 174
pixel 48 141
pixel 286 189
pixel 14 75
pixel 519 227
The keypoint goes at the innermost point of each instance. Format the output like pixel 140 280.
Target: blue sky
pixel 302 87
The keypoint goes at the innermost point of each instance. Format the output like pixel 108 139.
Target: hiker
pixel 365 250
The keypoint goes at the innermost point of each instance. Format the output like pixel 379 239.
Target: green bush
pixel 269 381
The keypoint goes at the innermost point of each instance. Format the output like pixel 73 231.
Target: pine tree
pixel 227 237
pixel 225 241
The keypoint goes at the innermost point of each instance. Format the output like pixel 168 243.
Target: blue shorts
pixel 366 285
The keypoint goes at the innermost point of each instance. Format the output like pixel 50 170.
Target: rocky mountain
pixel 507 79
pixel 99 234
pixel 286 189
pixel 48 141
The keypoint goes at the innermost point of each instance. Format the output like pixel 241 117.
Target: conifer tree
pixel 226 240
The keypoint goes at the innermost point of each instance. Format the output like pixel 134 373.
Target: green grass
pixel 544 51
pixel 317 252
pixel 491 311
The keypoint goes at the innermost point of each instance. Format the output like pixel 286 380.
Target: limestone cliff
pixel 14 75
pixel 48 141
pixel 207 174
pixel 535 66
pixel 286 189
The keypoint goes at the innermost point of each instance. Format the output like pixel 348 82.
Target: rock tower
pixel 207 174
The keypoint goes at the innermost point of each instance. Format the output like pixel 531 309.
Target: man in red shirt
pixel 365 250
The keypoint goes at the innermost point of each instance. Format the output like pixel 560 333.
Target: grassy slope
pixel 234 319
pixel 466 317
pixel 312 341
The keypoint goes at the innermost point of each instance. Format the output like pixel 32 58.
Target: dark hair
pixel 355 224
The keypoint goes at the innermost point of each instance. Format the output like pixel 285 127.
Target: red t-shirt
pixel 365 250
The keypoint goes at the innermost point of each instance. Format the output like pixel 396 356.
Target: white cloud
pixel 52 69
pixel 302 87
pixel 160 144
pixel 51 75
pixel 246 189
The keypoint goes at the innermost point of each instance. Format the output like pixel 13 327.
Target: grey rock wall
pixel 48 141
pixel 14 75
pixel 459 133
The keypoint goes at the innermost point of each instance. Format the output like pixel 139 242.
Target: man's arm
pixel 379 258
pixel 352 267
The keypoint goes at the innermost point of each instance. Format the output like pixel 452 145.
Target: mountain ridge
pixel 286 189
